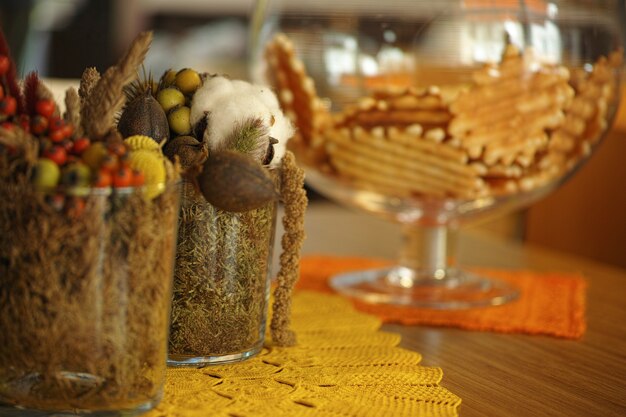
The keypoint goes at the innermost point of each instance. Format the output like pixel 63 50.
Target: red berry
pixel 38 124
pixel 139 178
pixel 5 64
pixel 67 130
pixel 8 106
pixel 123 177
pixel 103 178
pixel 56 123
pixel 8 125
pixel 56 136
pixel 56 153
pixel 117 148
pixel 45 107
pixel 80 145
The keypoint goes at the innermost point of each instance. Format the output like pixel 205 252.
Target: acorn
pixel 190 152
pixel 144 116
pixel 232 181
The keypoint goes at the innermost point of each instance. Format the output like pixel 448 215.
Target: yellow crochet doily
pixel 342 366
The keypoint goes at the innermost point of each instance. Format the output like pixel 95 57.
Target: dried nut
pixel 232 181
pixel 189 151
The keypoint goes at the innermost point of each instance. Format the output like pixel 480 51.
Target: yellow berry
pixel 152 165
pixel 46 174
pixel 168 77
pixel 94 155
pixel 187 80
pixel 170 97
pixel 179 120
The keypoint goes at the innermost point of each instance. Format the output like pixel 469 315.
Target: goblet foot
pixel 444 289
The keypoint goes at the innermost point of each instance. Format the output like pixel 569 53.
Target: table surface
pixel 503 374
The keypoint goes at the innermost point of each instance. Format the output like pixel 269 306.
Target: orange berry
pixel 103 178
pixel 123 177
pixel 139 178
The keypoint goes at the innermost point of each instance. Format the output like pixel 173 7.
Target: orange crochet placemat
pixel 550 303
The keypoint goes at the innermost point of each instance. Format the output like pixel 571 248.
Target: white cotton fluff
pixel 229 102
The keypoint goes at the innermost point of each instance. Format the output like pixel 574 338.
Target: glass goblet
pixel 434 114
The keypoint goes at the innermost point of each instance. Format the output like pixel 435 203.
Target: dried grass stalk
pixel 26 147
pixel 295 203
pixel 107 96
pixel 72 109
pixel 88 81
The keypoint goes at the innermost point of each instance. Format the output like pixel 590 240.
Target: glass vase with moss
pixel 237 170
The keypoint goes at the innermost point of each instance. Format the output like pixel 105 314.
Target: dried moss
pixel 83 301
pixel 221 278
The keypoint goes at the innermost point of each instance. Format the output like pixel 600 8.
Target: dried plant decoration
pixel 295 203
pixel 89 79
pixel 107 98
pixel 85 277
pixel 11 75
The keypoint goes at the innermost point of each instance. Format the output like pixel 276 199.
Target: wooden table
pixel 503 374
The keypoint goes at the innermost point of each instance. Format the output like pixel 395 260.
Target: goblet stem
pixel 425 249
pixel 426 276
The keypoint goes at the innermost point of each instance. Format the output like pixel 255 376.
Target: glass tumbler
pixel 85 294
pixel 221 282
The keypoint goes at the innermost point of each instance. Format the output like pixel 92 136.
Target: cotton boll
pixel 229 103
pixel 282 131
pixel 212 90
pixel 228 113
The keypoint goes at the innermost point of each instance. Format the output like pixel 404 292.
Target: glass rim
pixel 85 191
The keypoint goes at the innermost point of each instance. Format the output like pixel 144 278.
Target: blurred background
pixel 60 38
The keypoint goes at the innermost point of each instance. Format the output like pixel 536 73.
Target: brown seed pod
pixel 190 152
pixel 144 116
pixel 232 181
